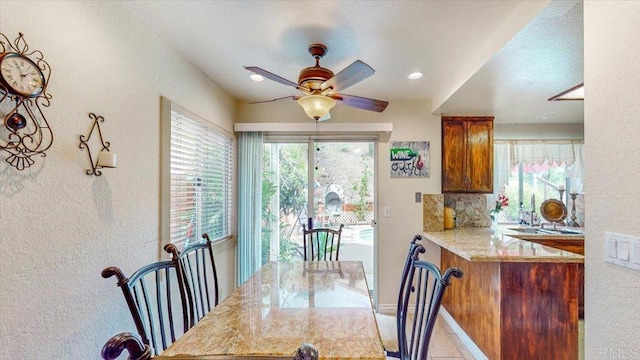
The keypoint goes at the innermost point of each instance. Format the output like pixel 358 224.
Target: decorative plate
pixel 553 210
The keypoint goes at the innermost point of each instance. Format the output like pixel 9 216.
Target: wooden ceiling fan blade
pixel 361 102
pixel 274 77
pixel 350 75
pixel 292 97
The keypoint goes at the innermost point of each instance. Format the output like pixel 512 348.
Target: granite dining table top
pixel 283 305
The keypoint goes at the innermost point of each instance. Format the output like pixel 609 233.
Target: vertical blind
pixel 250 168
pixel 201 181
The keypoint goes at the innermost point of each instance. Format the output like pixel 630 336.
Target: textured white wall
pixel 612 133
pixel 412 121
pixel 59 227
pixel 537 131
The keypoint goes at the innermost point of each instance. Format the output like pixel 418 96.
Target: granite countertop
pixel 479 244
pixel 509 230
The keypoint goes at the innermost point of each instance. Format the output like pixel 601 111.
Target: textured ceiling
pixel 544 59
pixel 394 37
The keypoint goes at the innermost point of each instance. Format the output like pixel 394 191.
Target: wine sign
pixel 409 159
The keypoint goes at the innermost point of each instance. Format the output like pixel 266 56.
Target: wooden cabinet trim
pixel 467 118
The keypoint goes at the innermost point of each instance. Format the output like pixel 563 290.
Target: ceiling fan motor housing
pixel 313 77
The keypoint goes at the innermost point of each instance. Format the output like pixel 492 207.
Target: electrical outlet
pixel 459 205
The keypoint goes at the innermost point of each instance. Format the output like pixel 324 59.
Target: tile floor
pixel 445 344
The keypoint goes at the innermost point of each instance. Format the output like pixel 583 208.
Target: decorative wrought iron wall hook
pixel 105 159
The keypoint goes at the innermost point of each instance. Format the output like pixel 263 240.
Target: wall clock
pixel 24 76
pixel 21 76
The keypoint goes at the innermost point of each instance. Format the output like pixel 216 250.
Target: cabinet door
pixel 453 156
pixel 479 169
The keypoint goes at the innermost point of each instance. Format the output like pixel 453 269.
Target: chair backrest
pixel 199 270
pixel 156 295
pixel 118 343
pixel 422 297
pixel 322 244
pixel 414 251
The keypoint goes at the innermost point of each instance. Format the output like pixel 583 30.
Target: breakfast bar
pixel 518 299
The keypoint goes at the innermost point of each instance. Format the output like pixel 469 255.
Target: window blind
pixel 201 181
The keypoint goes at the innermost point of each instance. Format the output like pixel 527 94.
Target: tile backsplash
pixel 475 212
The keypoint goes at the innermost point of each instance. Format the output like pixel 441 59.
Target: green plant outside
pixel 361 189
pixel 292 199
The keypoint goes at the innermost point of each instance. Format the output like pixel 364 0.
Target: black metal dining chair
pixel 125 341
pixel 157 297
pixel 388 324
pixel 321 244
pixel 420 306
pixel 199 270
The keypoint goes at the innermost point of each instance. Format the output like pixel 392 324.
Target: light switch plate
pixel 418 197
pixel 612 248
pixel 622 250
pixel 636 250
pixel 386 212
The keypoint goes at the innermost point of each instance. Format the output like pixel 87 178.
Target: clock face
pixel 21 75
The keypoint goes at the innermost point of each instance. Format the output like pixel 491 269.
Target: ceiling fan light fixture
pixel 316 106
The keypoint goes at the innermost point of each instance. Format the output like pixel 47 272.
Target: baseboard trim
pixel 466 340
pixel 387 309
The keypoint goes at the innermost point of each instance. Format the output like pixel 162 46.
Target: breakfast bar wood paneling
pixel 574 244
pixel 518 299
pixel 478 318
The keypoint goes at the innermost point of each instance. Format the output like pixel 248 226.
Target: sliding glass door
pixel 341 175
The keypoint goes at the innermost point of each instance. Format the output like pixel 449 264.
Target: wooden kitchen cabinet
pixel 467 154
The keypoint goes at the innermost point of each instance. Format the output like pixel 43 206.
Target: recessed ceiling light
pixel 415 75
pixel 256 77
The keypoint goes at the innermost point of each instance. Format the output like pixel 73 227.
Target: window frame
pixel 542 152
pixel 167 108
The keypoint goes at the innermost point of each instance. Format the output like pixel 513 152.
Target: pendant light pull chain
pixel 316 143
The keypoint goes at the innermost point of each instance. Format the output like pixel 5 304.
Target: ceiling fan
pixel 321 87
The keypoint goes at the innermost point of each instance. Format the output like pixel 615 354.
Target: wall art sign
pixel 409 159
